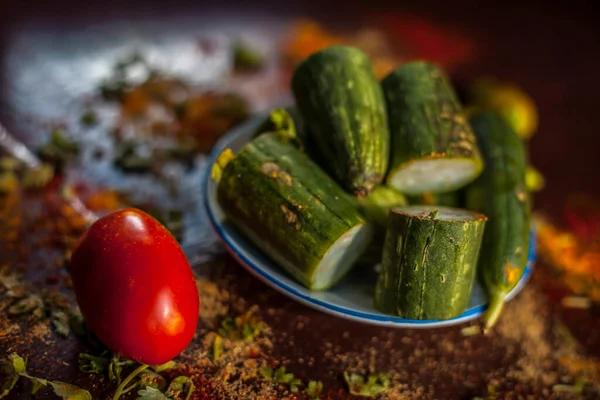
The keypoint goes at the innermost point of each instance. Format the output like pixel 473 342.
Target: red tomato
pixel 135 287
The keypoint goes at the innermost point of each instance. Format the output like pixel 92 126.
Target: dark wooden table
pixel 550 50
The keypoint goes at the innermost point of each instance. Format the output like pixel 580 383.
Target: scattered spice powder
pixel 574 257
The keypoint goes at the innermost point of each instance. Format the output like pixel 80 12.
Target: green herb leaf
pixel 178 386
pixel 17 363
pixel 14 366
pixel 374 385
pixel 281 377
pixel 314 389
pixel 37 383
pixel 70 392
pixel 60 322
pixel 61 389
pixel 92 364
pixel 151 393
pixel 266 372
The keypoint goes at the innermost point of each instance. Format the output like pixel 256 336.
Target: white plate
pixel 352 297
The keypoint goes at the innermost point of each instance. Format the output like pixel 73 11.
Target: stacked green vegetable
pixel 337 192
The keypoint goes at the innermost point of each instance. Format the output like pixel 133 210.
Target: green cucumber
pixel 429 262
pixel 293 211
pixel 376 207
pixel 449 199
pixel 433 146
pixel 343 107
pixel 501 194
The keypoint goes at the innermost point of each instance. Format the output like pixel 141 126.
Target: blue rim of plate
pixel 282 287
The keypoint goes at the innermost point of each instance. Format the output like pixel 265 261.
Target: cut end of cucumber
pixel 440 213
pixel 341 256
pixel 434 175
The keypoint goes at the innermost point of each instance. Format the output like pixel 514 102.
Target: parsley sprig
pixel 280 376
pixel 16 367
pixel 370 386
pixel 243 327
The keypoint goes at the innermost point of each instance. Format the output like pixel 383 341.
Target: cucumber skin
pixel 426 119
pixel 343 106
pixel 294 211
pixel 429 266
pixel 501 193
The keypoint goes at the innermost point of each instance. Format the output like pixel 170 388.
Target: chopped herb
pixel 151 379
pixel 184 153
pixel 374 385
pixel 115 87
pixel 151 393
pixel 128 159
pixel 9 164
pixel 245 58
pixel 93 364
pixel 70 392
pixel 217 348
pixel 470 330
pixel 576 302
pixel 115 368
pixel 38 177
pixel 31 304
pixel 9 280
pixel 59 150
pixel 16 367
pixel 179 386
pixel 8 182
pixel 113 90
pixel 128 61
pixel 281 377
pixel 77 325
pixel 89 118
pixel 577 388
pixel 314 389
pixel 243 327
pixel 60 322
pixel 166 366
